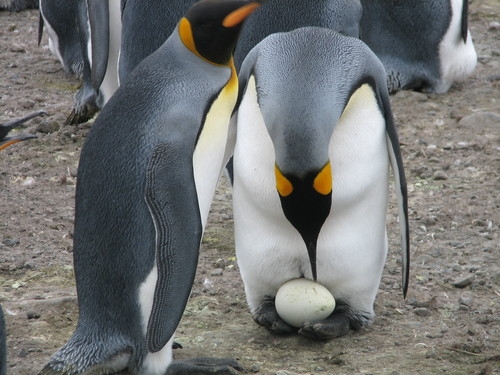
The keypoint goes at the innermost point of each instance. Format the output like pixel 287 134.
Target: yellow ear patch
pixel 186 35
pixel 283 185
pixel 323 181
pixel 237 16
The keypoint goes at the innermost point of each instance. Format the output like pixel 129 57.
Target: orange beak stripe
pixel 237 16
pixel 8 143
pixel 323 181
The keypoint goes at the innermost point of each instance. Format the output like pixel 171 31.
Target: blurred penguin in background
pixel 424 45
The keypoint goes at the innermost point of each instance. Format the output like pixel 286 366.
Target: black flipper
pixel 98 12
pixel 173 202
pixel 401 190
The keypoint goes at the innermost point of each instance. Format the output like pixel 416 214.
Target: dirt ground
pixel 450 322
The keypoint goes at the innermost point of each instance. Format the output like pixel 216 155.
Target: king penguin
pixel 60 18
pixel 146 25
pixel 424 45
pixel 146 178
pixel 315 140
pixel 275 16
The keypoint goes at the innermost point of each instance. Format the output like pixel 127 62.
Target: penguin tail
pixel 82 354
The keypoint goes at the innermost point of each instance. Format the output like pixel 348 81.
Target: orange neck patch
pixel 323 181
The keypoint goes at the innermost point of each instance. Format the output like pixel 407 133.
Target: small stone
pixel 421 311
pixel 216 272
pixel 22 353
pixel 33 315
pixel 17 48
pixel 440 175
pixel 466 300
pixel 482 119
pixel 255 368
pixel 464 282
pixel 496 277
pixel 47 127
pixel 10 242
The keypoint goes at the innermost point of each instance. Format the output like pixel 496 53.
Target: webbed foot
pixel 267 316
pixel 336 325
pixel 205 365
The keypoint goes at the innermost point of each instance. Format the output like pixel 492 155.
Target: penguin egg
pixel 302 300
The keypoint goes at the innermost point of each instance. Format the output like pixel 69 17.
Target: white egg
pixel 302 300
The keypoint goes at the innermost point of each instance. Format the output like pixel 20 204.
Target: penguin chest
pixel 208 156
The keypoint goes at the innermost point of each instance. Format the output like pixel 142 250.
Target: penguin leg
pixel 205 365
pixel 267 316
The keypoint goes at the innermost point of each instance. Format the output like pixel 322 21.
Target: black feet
pixel 267 316
pixel 204 365
pixel 336 325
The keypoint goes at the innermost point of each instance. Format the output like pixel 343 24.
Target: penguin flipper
pixel 464 24
pixel 396 161
pixel 98 13
pixel 173 202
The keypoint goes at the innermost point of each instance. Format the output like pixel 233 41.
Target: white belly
pixel 352 244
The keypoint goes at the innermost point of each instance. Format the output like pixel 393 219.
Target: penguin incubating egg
pixel 315 138
pixel 424 45
pixel 146 178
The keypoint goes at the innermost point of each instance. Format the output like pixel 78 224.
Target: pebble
pixel 46 127
pixel 496 277
pixel 255 368
pixel 466 300
pixel 483 119
pixel 422 311
pixel 33 315
pixel 464 282
pixel 10 242
pixel 216 272
pixel 440 175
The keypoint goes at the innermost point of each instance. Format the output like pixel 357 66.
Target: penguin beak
pixel 18 138
pixel 6 141
pixel 306 203
pixel 239 15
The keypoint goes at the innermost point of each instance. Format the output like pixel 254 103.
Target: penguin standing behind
pixel 285 15
pixel 146 25
pixel 146 178
pixel 60 19
pixel 315 139
pixel 424 44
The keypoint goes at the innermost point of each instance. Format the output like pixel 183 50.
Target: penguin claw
pixel 336 325
pixel 267 316
pixel 205 365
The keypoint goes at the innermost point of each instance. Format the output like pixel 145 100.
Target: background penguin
pixel 60 19
pixel 285 15
pixel 424 45
pixel 6 140
pixel 3 346
pixel 146 178
pixel 146 25
pixel 311 166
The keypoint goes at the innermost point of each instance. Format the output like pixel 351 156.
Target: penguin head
pixel 210 28
pixel 306 202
